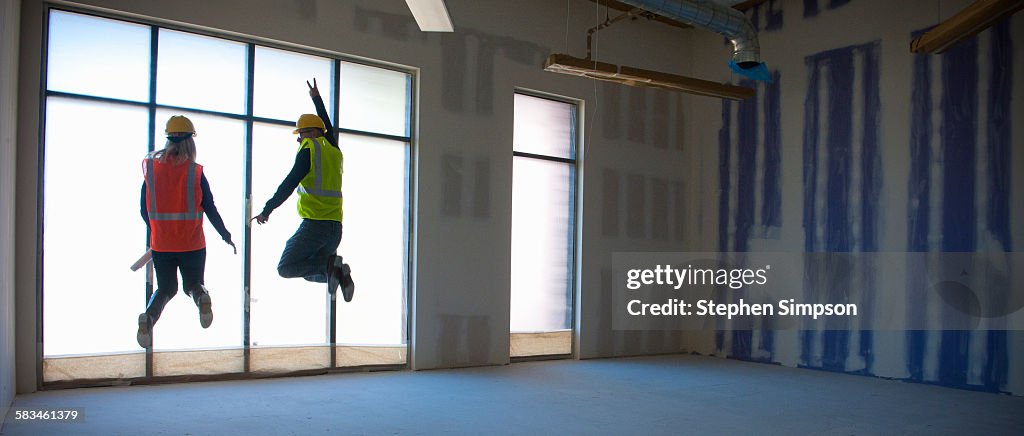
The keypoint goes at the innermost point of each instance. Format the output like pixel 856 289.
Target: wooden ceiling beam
pixel 565 64
pixel 968 22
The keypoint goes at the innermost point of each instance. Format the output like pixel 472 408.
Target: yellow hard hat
pixel 307 121
pixel 179 124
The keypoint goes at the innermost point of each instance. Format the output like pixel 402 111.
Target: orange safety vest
pixel 173 198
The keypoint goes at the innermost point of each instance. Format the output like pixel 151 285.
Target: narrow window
pixel 543 226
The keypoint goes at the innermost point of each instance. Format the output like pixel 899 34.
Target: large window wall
pixel 110 87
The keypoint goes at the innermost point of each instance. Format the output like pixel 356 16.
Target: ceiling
pixel 739 5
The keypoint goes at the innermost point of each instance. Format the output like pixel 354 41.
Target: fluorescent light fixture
pixel 431 15
pixel 565 64
pixel 968 22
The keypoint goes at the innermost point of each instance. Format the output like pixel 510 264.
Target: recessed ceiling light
pixel 431 15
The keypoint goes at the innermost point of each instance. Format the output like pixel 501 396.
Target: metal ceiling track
pixel 565 64
pixel 588 67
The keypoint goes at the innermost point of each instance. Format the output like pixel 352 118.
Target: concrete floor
pixel 648 395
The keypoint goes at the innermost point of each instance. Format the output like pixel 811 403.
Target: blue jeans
pixel 308 251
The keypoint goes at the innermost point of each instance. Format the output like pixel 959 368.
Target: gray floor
pixel 649 395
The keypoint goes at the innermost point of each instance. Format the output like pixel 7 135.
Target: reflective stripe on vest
pixel 319 192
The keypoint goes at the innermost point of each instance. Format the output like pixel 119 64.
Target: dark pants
pixel 308 251
pixel 193 267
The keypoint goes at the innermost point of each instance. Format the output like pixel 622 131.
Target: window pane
pixel 284 311
pixel 542 199
pixel 374 99
pixel 374 240
pixel 544 127
pixel 200 72
pixel 93 229
pixel 220 147
pixel 280 89
pixel 97 56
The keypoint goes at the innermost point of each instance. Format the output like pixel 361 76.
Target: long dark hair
pixel 176 151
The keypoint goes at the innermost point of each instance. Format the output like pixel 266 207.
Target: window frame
pixel 575 249
pixel 250 42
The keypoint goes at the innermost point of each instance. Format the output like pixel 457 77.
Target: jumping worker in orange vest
pixel 316 176
pixel 175 194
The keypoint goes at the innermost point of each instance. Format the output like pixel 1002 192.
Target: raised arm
pixel 321 111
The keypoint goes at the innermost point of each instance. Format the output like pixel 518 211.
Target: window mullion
pixel 154 47
pixel 247 238
pixel 332 301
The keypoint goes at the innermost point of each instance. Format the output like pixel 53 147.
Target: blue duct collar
pixel 759 72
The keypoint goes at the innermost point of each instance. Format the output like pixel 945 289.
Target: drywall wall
pixel 859 145
pixel 25 202
pixel 465 115
pixel 9 14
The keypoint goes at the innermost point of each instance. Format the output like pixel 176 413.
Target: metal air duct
pixel 720 19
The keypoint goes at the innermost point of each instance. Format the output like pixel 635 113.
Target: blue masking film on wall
pixel 724 176
pixel 871 185
pixel 810 159
pixel 919 205
pixel 999 146
pixel 959 108
pixel 835 347
pixel 838 142
pixel 958 181
pixel 746 173
pixel 773 15
pixel 771 205
pixel 810 8
pixel 738 211
pixel 996 367
pixel 831 74
pixel 810 178
pixel 771 189
pixel 871 159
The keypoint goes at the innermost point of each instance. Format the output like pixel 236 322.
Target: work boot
pixel 348 287
pixel 333 274
pixel 144 335
pixel 205 305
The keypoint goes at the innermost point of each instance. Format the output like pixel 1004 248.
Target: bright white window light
pixel 542 209
pixel 98 57
pixel 431 15
pixel 220 142
pixel 78 321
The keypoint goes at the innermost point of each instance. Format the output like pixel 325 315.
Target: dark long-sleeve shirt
pixel 301 165
pixel 299 170
pixel 206 203
pixel 331 135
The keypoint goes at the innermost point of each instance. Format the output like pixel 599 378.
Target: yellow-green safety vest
pixel 320 191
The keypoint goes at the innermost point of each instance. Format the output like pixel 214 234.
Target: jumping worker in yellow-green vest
pixel 316 176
